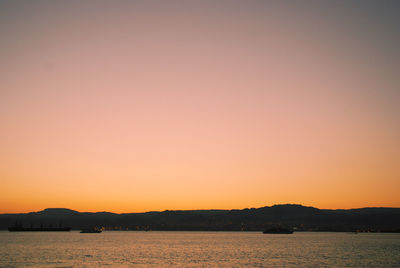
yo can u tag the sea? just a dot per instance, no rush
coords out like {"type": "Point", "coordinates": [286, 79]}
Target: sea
{"type": "Point", "coordinates": [198, 249]}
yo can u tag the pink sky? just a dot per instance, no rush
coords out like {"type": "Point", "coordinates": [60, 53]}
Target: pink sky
{"type": "Point", "coordinates": [133, 106]}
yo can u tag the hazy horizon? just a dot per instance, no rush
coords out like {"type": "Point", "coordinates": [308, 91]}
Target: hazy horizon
{"type": "Point", "coordinates": [197, 209]}
{"type": "Point", "coordinates": [152, 105]}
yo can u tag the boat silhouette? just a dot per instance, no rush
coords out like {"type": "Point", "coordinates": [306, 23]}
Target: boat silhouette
{"type": "Point", "coordinates": [91, 231]}
{"type": "Point", "coordinates": [278, 230]}
{"type": "Point", "coordinates": [20, 228]}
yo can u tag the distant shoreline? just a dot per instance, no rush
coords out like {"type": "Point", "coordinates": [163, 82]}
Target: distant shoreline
{"type": "Point", "coordinates": [296, 217]}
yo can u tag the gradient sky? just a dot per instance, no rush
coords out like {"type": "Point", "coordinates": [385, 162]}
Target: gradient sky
{"type": "Point", "coordinates": [131, 106]}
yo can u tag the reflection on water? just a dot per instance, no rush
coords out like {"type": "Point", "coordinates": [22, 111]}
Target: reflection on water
{"type": "Point", "coordinates": [198, 249]}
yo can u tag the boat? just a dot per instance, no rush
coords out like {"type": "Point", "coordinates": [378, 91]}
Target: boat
{"type": "Point", "coordinates": [38, 229]}
{"type": "Point", "coordinates": [278, 230]}
{"type": "Point", "coordinates": [91, 231]}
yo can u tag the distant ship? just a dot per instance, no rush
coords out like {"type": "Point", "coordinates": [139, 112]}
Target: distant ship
{"type": "Point", "coordinates": [91, 231]}
{"type": "Point", "coordinates": [38, 229]}
{"type": "Point", "coordinates": [278, 230]}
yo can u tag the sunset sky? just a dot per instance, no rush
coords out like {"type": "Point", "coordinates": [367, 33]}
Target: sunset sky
{"type": "Point", "coordinates": [130, 106]}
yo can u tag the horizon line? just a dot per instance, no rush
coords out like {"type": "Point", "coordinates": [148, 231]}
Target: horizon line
{"type": "Point", "coordinates": [149, 211]}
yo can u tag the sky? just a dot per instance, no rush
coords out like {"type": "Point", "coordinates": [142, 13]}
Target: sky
{"type": "Point", "coordinates": [131, 106]}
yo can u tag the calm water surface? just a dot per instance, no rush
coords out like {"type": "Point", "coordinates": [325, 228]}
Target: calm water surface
{"type": "Point", "coordinates": [198, 249]}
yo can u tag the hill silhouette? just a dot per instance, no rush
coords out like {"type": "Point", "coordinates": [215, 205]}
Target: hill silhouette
{"type": "Point", "coordinates": [300, 217]}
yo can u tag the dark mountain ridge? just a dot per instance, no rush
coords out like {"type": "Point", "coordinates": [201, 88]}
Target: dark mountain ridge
{"type": "Point", "coordinates": [300, 217]}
